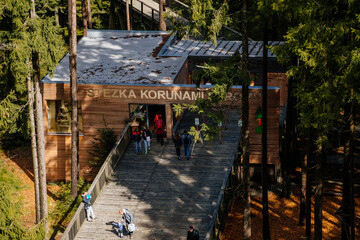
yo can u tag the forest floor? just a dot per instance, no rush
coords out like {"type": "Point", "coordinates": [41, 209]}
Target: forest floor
{"type": "Point", "coordinates": [283, 212]}
{"type": "Point", "coordinates": [19, 163]}
{"type": "Point", "coordinates": [284, 218]}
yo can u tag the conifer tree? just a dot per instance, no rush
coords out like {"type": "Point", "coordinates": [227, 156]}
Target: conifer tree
{"type": "Point", "coordinates": [35, 38]}
{"type": "Point", "coordinates": [74, 99]}
{"type": "Point", "coordinates": [326, 45]}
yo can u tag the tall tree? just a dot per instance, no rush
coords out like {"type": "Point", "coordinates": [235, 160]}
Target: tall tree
{"type": "Point", "coordinates": [264, 164]}
{"type": "Point", "coordinates": [326, 43]}
{"type": "Point", "coordinates": [127, 15]}
{"type": "Point", "coordinates": [30, 86]}
{"type": "Point", "coordinates": [112, 15]}
{"type": "Point", "coordinates": [40, 141]}
{"type": "Point", "coordinates": [84, 20]}
{"type": "Point", "coordinates": [74, 99]}
{"type": "Point", "coordinates": [89, 14]}
{"type": "Point", "coordinates": [162, 22]}
{"type": "Point", "coordinates": [347, 225]}
{"type": "Point", "coordinates": [245, 131]}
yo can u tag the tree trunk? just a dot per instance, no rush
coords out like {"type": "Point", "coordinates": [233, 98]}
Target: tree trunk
{"type": "Point", "coordinates": [302, 214]}
{"type": "Point", "coordinates": [89, 13]}
{"type": "Point", "coordinates": [40, 142]}
{"type": "Point", "coordinates": [120, 18]}
{"type": "Point", "coordinates": [57, 22]}
{"type": "Point", "coordinates": [162, 22]}
{"type": "Point", "coordinates": [83, 11]}
{"type": "Point", "coordinates": [39, 161]}
{"type": "Point", "coordinates": [347, 226]}
{"type": "Point", "coordinates": [112, 16]}
{"type": "Point", "coordinates": [74, 102]}
{"type": "Point", "coordinates": [245, 132]}
{"type": "Point", "coordinates": [290, 139]}
{"type": "Point", "coordinates": [308, 188]}
{"type": "Point", "coordinates": [128, 15]}
{"type": "Point", "coordinates": [318, 192]}
{"type": "Point", "coordinates": [265, 178]}
{"type": "Point", "coordinates": [30, 87]}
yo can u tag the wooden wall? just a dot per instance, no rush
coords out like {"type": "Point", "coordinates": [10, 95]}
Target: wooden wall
{"type": "Point", "coordinates": [276, 80]}
{"type": "Point", "coordinates": [111, 103]}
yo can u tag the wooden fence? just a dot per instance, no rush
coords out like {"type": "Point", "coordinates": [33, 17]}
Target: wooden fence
{"type": "Point", "coordinates": [99, 182]}
{"type": "Point", "coordinates": [223, 204]}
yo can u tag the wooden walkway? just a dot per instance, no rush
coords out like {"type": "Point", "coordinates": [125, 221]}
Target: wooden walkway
{"type": "Point", "coordinates": [164, 194]}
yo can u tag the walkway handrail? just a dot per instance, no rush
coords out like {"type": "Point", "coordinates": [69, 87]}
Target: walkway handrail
{"type": "Point", "coordinates": [99, 182]}
{"type": "Point", "coordinates": [223, 203]}
{"type": "Point", "coordinates": [157, 10]}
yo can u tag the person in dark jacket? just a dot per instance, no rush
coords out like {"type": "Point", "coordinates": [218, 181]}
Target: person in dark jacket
{"type": "Point", "coordinates": [186, 140]}
{"type": "Point", "coordinates": [137, 140]}
{"type": "Point", "coordinates": [146, 136]}
{"type": "Point", "coordinates": [193, 234]}
{"type": "Point", "coordinates": [177, 142]}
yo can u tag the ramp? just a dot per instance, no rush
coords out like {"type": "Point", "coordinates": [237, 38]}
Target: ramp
{"type": "Point", "coordinates": [164, 194]}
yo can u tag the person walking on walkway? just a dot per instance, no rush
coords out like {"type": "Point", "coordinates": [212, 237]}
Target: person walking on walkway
{"type": "Point", "coordinates": [159, 130]}
{"type": "Point", "coordinates": [146, 135]}
{"type": "Point", "coordinates": [86, 199]}
{"type": "Point", "coordinates": [193, 234]}
{"type": "Point", "coordinates": [186, 140]}
{"type": "Point", "coordinates": [178, 142]}
{"type": "Point", "coordinates": [137, 140]}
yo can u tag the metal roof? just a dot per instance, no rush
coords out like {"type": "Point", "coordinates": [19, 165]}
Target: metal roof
{"type": "Point", "coordinates": [182, 48]}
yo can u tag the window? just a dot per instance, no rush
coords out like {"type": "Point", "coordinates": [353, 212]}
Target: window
{"type": "Point", "coordinates": [59, 116]}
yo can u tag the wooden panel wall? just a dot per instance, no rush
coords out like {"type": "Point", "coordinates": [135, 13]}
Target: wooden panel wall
{"type": "Point", "coordinates": [183, 75]}
{"type": "Point", "coordinates": [111, 103]}
{"type": "Point", "coordinates": [279, 80]}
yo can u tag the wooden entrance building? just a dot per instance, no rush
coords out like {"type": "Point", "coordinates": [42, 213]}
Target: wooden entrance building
{"type": "Point", "coordinates": [121, 73]}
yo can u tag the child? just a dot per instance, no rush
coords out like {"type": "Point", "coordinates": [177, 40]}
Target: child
{"type": "Point", "coordinates": [86, 199]}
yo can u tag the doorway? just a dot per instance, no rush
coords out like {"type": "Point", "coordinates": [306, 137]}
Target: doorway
{"type": "Point", "coordinates": [145, 114]}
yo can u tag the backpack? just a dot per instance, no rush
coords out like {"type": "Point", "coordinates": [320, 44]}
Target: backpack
{"type": "Point", "coordinates": [159, 125]}
{"type": "Point", "coordinates": [187, 140]}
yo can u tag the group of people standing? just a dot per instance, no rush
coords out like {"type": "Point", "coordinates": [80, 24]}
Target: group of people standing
{"type": "Point", "coordinates": [144, 135]}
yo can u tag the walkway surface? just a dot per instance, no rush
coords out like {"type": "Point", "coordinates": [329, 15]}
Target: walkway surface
{"type": "Point", "coordinates": [164, 194]}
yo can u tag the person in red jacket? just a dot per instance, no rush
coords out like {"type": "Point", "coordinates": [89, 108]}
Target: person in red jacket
{"type": "Point", "coordinates": [137, 140]}
{"type": "Point", "coordinates": [159, 130]}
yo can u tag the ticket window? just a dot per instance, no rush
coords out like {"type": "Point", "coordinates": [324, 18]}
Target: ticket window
{"type": "Point", "coordinates": [59, 116]}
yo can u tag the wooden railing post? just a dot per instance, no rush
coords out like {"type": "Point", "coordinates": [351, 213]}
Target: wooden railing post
{"type": "Point", "coordinates": [152, 19]}
{"type": "Point", "coordinates": [132, 14]}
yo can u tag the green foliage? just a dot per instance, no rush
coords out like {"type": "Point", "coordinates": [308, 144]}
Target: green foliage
{"type": "Point", "coordinates": [326, 45]}
{"type": "Point", "coordinates": [102, 145]}
{"type": "Point", "coordinates": [11, 210]}
{"type": "Point", "coordinates": [22, 35]}
{"type": "Point", "coordinates": [223, 75]}
{"type": "Point", "coordinates": [227, 72]}
{"type": "Point", "coordinates": [100, 13]}
{"type": "Point", "coordinates": [178, 109]}
{"type": "Point", "coordinates": [66, 206]}
{"type": "Point", "coordinates": [207, 19]}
